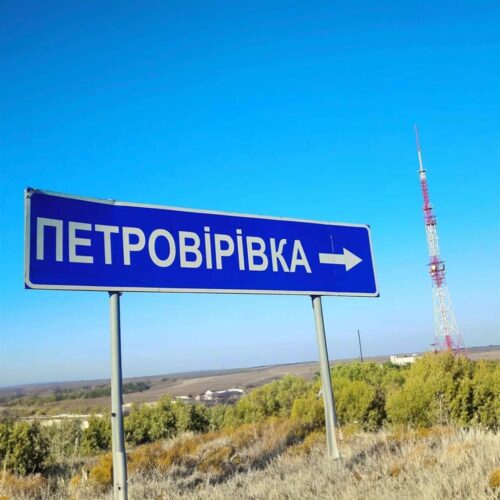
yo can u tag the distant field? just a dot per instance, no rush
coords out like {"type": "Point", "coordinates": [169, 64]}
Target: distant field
{"type": "Point", "coordinates": [175, 385]}
{"type": "Point", "coordinates": [487, 353]}
{"type": "Point", "coordinates": [190, 383]}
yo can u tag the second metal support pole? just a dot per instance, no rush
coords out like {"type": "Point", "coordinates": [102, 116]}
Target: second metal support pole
{"type": "Point", "coordinates": [117, 436]}
{"type": "Point", "coordinates": [360, 350]}
{"type": "Point", "coordinates": [326, 381]}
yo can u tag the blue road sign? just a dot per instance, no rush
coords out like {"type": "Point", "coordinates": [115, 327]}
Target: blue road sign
{"type": "Point", "coordinates": [75, 243]}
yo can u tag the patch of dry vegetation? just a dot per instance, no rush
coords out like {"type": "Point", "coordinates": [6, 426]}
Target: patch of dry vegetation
{"type": "Point", "coordinates": [440, 463]}
{"type": "Point", "coordinates": [210, 458]}
{"type": "Point", "coordinates": [279, 459]}
{"type": "Point", "coordinates": [14, 486]}
{"type": "Point", "coordinates": [494, 481]}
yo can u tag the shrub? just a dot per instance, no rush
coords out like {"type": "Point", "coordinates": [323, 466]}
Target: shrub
{"type": "Point", "coordinates": [144, 458]}
{"type": "Point", "coordinates": [13, 486]}
{"type": "Point", "coordinates": [310, 442]}
{"type": "Point", "coordinates": [437, 390]}
{"type": "Point", "coordinates": [179, 452]}
{"type": "Point", "coordinates": [274, 399]}
{"type": "Point", "coordinates": [97, 436]}
{"type": "Point", "coordinates": [370, 372]}
{"type": "Point", "coordinates": [150, 423]}
{"type": "Point", "coordinates": [244, 435]}
{"type": "Point", "coordinates": [191, 417]}
{"type": "Point", "coordinates": [130, 387]}
{"type": "Point", "coordinates": [359, 402]}
{"type": "Point", "coordinates": [361, 391]}
{"type": "Point", "coordinates": [217, 461]}
{"type": "Point", "coordinates": [138, 424]}
{"type": "Point", "coordinates": [101, 473]}
{"type": "Point", "coordinates": [310, 410]}
{"type": "Point", "coordinates": [486, 394]}
{"type": "Point", "coordinates": [24, 448]}
{"type": "Point", "coordinates": [65, 439]}
{"type": "Point", "coordinates": [164, 421]}
{"type": "Point", "coordinates": [217, 416]}
{"type": "Point", "coordinates": [494, 480]}
{"type": "Point", "coordinates": [5, 429]}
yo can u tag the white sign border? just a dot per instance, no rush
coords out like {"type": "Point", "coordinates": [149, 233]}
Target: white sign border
{"type": "Point", "coordinates": [37, 286]}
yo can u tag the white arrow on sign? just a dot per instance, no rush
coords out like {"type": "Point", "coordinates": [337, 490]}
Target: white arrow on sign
{"type": "Point", "coordinates": [347, 259]}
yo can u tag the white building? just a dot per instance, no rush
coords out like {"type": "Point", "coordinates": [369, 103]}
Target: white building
{"type": "Point", "coordinates": [405, 359]}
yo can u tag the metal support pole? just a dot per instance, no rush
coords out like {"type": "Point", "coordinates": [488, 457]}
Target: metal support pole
{"type": "Point", "coordinates": [360, 350]}
{"type": "Point", "coordinates": [118, 440]}
{"type": "Point", "coordinates": [326, 381]}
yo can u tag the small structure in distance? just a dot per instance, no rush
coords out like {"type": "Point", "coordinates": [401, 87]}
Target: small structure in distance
{"type": "Point", "coordinates": [226, 396]}
{"type": "Point", "coordinates": [405, 359]}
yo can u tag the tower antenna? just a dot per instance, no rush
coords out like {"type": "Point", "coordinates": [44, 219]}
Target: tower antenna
{"type": "Point", "coordinates": [447, 335]}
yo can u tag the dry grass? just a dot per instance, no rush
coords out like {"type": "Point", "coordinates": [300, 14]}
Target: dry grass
{"type": "Point", "coordinates": [494, 481]}
{"type": "Point", "coordinates": [192, 460]}
{"type": "Point", "coordinates": [279, 460]}
{"type": "Point", "coordinates": [215, 456]}
{"type": "Point", "coordinates": [436, 464]}
{"type": "Point", "coordinates": [13, 486]}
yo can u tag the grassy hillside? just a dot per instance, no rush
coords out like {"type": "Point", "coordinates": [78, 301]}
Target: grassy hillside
{"type": "Point", "coordinates": [270, 462]}
{"type": "Point", "coordinates": [442, 463]}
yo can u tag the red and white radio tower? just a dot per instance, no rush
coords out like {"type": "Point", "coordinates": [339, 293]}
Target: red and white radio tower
{"type": "Point", "coordinates": [447, 336]}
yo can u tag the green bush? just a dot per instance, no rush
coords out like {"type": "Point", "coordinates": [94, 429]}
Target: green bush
{"type": "Point", "coordinates": [5, 428]}
{"type": "Point", "coordinates": [310, 409]}
{"type": "Point", "coordinates": [65, 439]}
{"type": "Point", "coordinates": [486, 394]}
{"type": "Point", "coordinates": [191, 417]}
{"type": "Point", "coordinates": [274, 399]}
{"type": "Point", "coordinates": [138, 424]}
{"type": "Point", "coordinates": [368, 372]}
{"type": "Point", "coordinates": [131, 387]}
{"type": "Point", "coordinates": [97, 436]}
{"type": "Point", "coordinates": [217, 415]}
{"type": "Point", "coordinates": [439, 389]}
{"type": "Point", "coordinates": [359, 402]}
{"type": "Point", "coordinates": [150, 423]}
{"type": "Point", "coordinates": [23, 447]}
{"type": "Point", "coordinates": [166, 419]}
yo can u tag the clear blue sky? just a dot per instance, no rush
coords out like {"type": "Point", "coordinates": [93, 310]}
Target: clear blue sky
{"type": "Point", "coordinates": [295, 109]}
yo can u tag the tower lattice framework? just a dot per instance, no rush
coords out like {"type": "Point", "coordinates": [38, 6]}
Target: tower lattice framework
{"type": "Point", "coordinates": [447, 335]}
